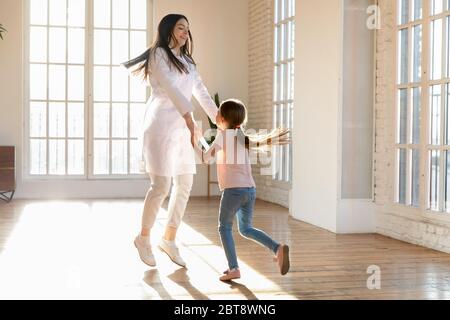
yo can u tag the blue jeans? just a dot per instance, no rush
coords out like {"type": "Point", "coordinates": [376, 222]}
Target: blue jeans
{"type": "Point", "coordinates": [240, 202]}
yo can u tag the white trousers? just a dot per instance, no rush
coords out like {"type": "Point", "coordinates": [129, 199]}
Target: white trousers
{"type": "Point", "coordinates": [159, 189]}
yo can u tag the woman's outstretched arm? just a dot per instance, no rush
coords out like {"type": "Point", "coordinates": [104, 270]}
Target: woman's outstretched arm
{"type": "Point", "coordinates": [203, 97]}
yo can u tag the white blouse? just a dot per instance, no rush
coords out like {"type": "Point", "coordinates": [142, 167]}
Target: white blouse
{"type": "Point", "coordinates": [166, 140]}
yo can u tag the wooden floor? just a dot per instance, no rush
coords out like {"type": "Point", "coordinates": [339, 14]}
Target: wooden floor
{"type": "Point", "coordinates": [84, 250]}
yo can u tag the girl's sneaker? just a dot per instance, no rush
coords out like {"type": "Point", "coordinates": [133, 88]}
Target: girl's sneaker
{"type": "Point", "coordinates": [230, 275]}
{"type": "Point", "coordinates": [283, 258]}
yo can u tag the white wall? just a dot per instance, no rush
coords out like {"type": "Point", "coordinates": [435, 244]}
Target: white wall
{"type": "Point", "coordinates": [332, 136]}
{"type": "Point", "coordinates": [220, 34]}
{"type": "Point", "coordinates": [318, 95]}
{"type": "Point", "coordinates": [356, 210]}
{"type": "Point", "coordinates": [358, 102]}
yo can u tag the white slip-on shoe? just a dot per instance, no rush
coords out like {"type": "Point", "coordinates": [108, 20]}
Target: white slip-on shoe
{"type": "Point", "coordinates": [145, 252]}
{"type": "Point", "coordinates": [171, 250]}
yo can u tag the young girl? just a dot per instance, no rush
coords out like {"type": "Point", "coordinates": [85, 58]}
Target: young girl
{"type": "Point", "coordinates": [237, 185]}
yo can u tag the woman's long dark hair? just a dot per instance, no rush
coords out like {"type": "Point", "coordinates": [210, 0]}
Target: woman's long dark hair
{"type": "Point", "coordinates": [165, 35]}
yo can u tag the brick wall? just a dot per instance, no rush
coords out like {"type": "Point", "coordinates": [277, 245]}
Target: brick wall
{"type": "Point", "coordinates": [393, 221]}
{"type": "Point", "coordinates": [260, 44]}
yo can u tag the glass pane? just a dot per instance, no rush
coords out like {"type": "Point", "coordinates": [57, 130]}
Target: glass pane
{"type": "Point", "coordinates": [437, 6]}
{"type": "Point", "coordinates": [119, 120]}
{"type": "Point", "coordinates": [137, 112]}
{"type": "Point", "coordinates": [119, 157]}
{"type": "Point", "coordinates": [101, 120]}
{"type": "Point", "coordinates": [57, 82]}
{"type": "Point", "coordinates": [138, 11]}
{"type": "Point", "coordinates": [101, 157]}
{"type": "Point", "coordinates": [38, 119]}
{"type": "Point", "coordinates": [38, 44]}
{"type": "Point", "coordinates": [138, 42]}
{"type": "Point", "coordinates": [417, 9]}
{"type": "Point", "coordinates": [102, 13]}
{"type": "Point", "coordinates": [416, 101]}
{"type": "Point", "coordinates": [287, 81]}
{"type": "Point", "coordinates": [135, 156]}
{"type": "Point", "coordinates": [57, 154]}
{"type": "Point", "coordinates": [75, 120]}
{"type": "Point", "coordinates": [434, 180]}
{"type": "Point", "coordinates": [436, 49]}
{"type": "Point", "coordinates": [403, 116]}
{"type": "Point", "coordinates": [283, 41]}
{"type": "Point", "coordinates": [38, 11]}
{"type": "Point", "coordinates": [57, 45]}
{"type": "Point", "coordinates": [448, 46]}
{"type": "Point", "coordinates": [102, 47]}
{"type": "Point", "coordinates": [281, 8]}
{"type": "Point", "coordinates": [57, 119]}
{"type": "Point", "coordinates": [288, 40]}
{"type": "Point", "coordinates": [76, 10]}
{"type": "Point", "coordinates": [119, 46]}
{"type": "Point", "coordinates": [292, 79]}
{"type": "Point", "coordinates": [58, 12]}
{"type": "Point", "coordinates": [38, 81]}
{"type": "Point", "coordinates": [403, 10]}
{"type": "Point", "coordinates": [38, 156]}
{"type": "Point", "coordinates": [101, 84]}
{"type": "Point", "coordinates": [119, 84]}
{"type": "Point", "coordinates": [276, 6]}
{"type": "Point", "coordinates": [435, 104]}
{"type": "Point", "coordinates": [275, 84]}
{"type": "Point", "coordinates": [447, 181]}
{"type": "Point", "coordinates": [403, 56]}
{"type": "Point", "coordinates": [76, 45]}
{"type": "Point", "coordinates": [417, 54]}
{"type": "Point", "coordinates": [282, 82]}
{"type": "Point", "coordinates": [276, 56]}
{"type": "Point", "coordinates": [292, 40]}
{"type": "Point", "coordinates": [447, 110]}
{"type": "Point", "coordinates": [75, 161]}
{"type": "Point", "coordinates": [76, 83]}
{"type": "Point", "coordinates": [402, 176]}
{"type": "Point", "coordinates": [120, 14]}
{"type": "Point", "coordinates": [415, 177]}
{"type": "Point", "coordinates": [138, 91]}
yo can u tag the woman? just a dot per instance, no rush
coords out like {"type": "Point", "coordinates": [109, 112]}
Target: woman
{"type": "Point", "coordinates": [169, 129]}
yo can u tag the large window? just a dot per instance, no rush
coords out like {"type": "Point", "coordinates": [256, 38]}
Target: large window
{"type": "Point", "coordinates": [423, 114]}
{"type": "Point", "coordinates": [283, 82]}
{"type": "Point", "coordinates": [83, 109]}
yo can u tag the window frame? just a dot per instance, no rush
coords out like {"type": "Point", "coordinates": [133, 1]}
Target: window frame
{"type": "Point", "coordinates": [283, 154]}
{"type": "Point", "coordinates": [88, 102]}
{"type": "Point", "coordinates": [422, 212]}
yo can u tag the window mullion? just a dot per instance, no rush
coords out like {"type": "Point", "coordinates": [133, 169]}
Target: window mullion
{"type": "Point", "coordinates": [425, 112]}
{"type": "Point", "coordinates": [66, 120]}
{"type": "Point", "coordinates": [129, 97]}
{"type": "Point", "coordinates": [89, 115]}
{"type": "Point", "coordinates": [110, 86]}
{"type": "Point", "coordinates": [47, 141]}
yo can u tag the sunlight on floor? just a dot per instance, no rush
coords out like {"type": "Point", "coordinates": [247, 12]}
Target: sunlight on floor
{"type": "Point", "coordinates": [84, 250]}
